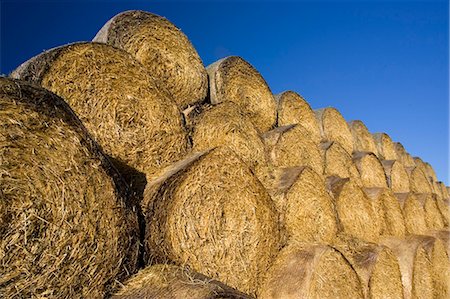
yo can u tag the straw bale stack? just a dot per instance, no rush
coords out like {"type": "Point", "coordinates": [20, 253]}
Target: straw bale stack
{"type": "Point", "coordinates": [362, 139]}
{"type": "Point", "coordinates": [396, 175]}
{"type": "Point", "coordinates": [163, 50]}
{"type": "Point", "coordinates": [170, 281]}
{"type": "Point", "coordinates": [433, 216]}
{"type": "Point", "coordinates": [377, 267]}
{"type": "Point", "coordinates": [134, 120]}
{"type": "Point", "coordinates": [356, 214]}
{"type": "Point", "coordinates": [385, 146]}
{"type": "Point", "coordinates": [444, 236]}
{"type": "Point", "coordinates": [403, 156]}
{"type": "Point", "coordinates": [292, 108]}
{"type": "Point", "coordinates": [67, 224]}
{"type": "Point", "coordinates": [442, 190]}
{"type": "Point", "coordinates": [333, 127]}
{"type": "Point", "coordinates": [437, 253]}
{"type": "Point", "coordinates": [418, 181]}
{"type": "Point", "coordinates": [310, 271]}
{"type": "Point", "coordinates": [210, 212]}
{"type": "Point", "coordinates": [370, 170]}
{"type": "Point", "coordinates": [234, 79]}
{"type": "Point", "coordinates": [337, 162]}
{"type": "Point", "coordinates": [413, 213]}
{"type": "Point", "coordinates": [306, 208]}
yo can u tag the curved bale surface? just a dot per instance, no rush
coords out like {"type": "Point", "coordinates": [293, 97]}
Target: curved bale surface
{"type": "Point", "coordinates": [370, 170]}
{"type": "Point", "coordinates": [429, 171]}
{"type": "Point", "coordinates": [291, 146]}
{"type": "Point", "coordinates": [377, 267]}
{"type": "Point", "coordinates": [442, 190]}
{"type": "Point", "coordinates": [306, 209]}
{"type": "Point", "coordinates": [226, 125]}
{"type": "Point", "coordinates": [415, 265]}
{"type": "Point", "coordinates": [292, 108]}
{"type": "Point", "coordinates": [403, 156]}
{"type": "Point", "coordinates": [362, 139]}
{"type": "Point", "coordinates": [170, 281]}
{"type": "Point", "coordinates": [333, 127]}
{"type": "Point", "coordinates": [164, 51]}
{"type": "Point", "coordinates": [388, 208]}
{"type": "Point", "coordinates": [310, 271]}
{"type": "Point", "coordinates": [433, 216]}
{"type": "Point", "coordinates": [355, 212]}
{"type": "Point", "coordinates": [234, 79]}
{"type": "Point", "coordinates": [134, 121]}
{"type": "Point", "coordinates": [211, 213]}
{"type": "Point", "coordinates": [418, 181]}
{"type": "Point", "coordinates": [65, 225]}
{"type": "Point", "coordinates": [413, 213]}
{"type": "Point", "coordinates": [337, 162]}
{"type": "Point", "coordinates": [444, 236]}
{"type": "Point", "coordinates": [385, 146]}
{"type": "Point", "coordinates": [396, 175]}
{"type": "Point", "coordinates": [440, 267]}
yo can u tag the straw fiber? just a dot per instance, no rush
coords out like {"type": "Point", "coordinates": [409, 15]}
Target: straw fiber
{"type": "Point", "coordinates": [333, 127]}
{"type": "Point", "coordinates": [385, 146]}
{"type": "Point", "coordinates": [413, 213]}
{"type": "Point", "coordinates": [396, 175]}
{"type": "Point", "coordinates": [403, 156]}
{"type": "Point", "coordinates": [337, 162]}
{"type": "Point", "coordinates": [370, 170]}
{"type": "Point", "coordinates": [362, 139]}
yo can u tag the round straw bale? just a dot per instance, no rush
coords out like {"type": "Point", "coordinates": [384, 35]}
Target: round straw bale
{"type": "Point", "coordinates": [370, 170]}
{"type": "Point", "coordinates": [403, 156]}
{"type": "Point", "coordinates": [163, 49]}
{"type": "Point", "coordinates": [170, 281]}
{"type": "Point", "coordinates": [310, 271]}
{"type": "Point", "coordinates": [234, 79]}
{"type": "Point", "coordinates": [134, 121]}
{"type": "Point", "coordinates": [355, 211]}
{"type": "Point", "coordinates": [444, 236]}
{"type": "Point", "coordinates": [333, 127]}
{"type": "Point", "coordinates": [389, 211]}
{"type": "Point", "coordinates": [66, 227]}
{"type": "Point", "coordinates": [377, 267]}
{"type": "Point", "coordinates": [413, 213]}
{"type": "Point", "coordinates": [385, 146]}
{"type": "Point", "coordinates": [429, 171]}
{"type": "Point", "coordinates": [418, 181]}
{"type": "Point", "coordinates": [210, 212]}
{"type": "Point", "coordinates": [444, 207]}
{"type": "Point", "coordinates": [396, 175]}
{"type": "Point", "coordinates": [433, 216]}
{"type": "Point", "coordinates": [291, 146]}
{"type": "Point", "coordinates": [441, 268]}
{"type": "Point", "coordinates": [362, 139]}
{"type": "Point", "coordinates": [337, 162]}
{"type": "Point", "coordinates": [442, 190]}
{"type": "Point", "coordinates": [226, 125]}
{"type": "Point", "coordinates": [415, 265]}
{"type": "Point", "coordinates": [306, 209]}
{"type": "Point", "coordinates": [294, 109]}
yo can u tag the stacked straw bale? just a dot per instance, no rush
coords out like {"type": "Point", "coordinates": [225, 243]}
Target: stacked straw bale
{"type": "Point", "coordinates": [292, 108]}
{"type": "Point", "coordinates": [356, 213]}
{"type": "Point", "coordinates": [291, 146]}
{"type": "Point", "coordinates": [413, 213]}
{"type": "Point", "coordinates": [385, 146]}
{"type": "Point", "coordinates": [444, 236]}
{"type": "Point", "coordinates": [415, 266]}
{"type": "Point", "coordinates": [396, 175]}
{"type": "Point", "coordinates": [67, 226]}
{"type": "Point", "coordinates": [234, 79]}
{"type": "Point", "coordinates": [306, 208]}
{"type": "Point", "coordinates": [370, 170]}
{"type": "Point", "coordinates": [403, 156]}
{"type": "Point", "coordinates": [418, 181]}
{"type": "Point", "coordinates": [164, 51]}
{"type": "Point", "coordinates": [333, 127]}
{"type": "Point", "coordinates": [170, 281]}
{"type": "Point", "coordinates": [442, 190]}
{"type": "Point", "coordinates": [337, 162]}
{"type": "Point", "coordinates": [140, 128]}
{"type": "Point", "coordinates": [437, 253]}
{"type": "Point", "coordinates": [433, 216]}
{"type": "Point", "coordinates": [377, 267]}
{"type": "Point", "coordinates": [362, 139]}
{"type": "Point", "coordinates": [310, 271]}
{"type": "Point", "coordinates": [211, 213]}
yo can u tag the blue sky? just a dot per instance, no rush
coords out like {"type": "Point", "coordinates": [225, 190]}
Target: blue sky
{"type": "Point", "coordinates": [384, 62]}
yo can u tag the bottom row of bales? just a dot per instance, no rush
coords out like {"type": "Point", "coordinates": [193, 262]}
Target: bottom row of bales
{"type": "Point", "coordinates": [70, 229]}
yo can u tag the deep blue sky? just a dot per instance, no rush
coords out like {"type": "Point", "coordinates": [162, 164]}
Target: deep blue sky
{"type": "Point", "coordinates": [384, 62]}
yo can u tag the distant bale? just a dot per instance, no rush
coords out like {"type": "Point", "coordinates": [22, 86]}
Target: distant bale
{"type": "Point", "coordinates": [337, 162]}
{"type": "Point", "coordinates": [164, 51]}
{"type": "Point", "coordinates": [444, 236]}
{"type": "Point", "coordinates": [355, 211]}
{"type": "Point", "coordinates": [133, 119]}
{"type": "Point", "coordinates": [415, 265]}
{"type": "Point", "coordinates": [443, 203]}
{"type": "Point", "coordinates": [442, 190]}
{"type": "Point", "coordinates": [292, 108]}
{"type": "Point", "coordinates": [291, 146]}
{"type": "Point", "coordinates": [377, 267]}
{"type": "Point", "coordinates": [418, 181]}
{"type": "Point", "coordinates": [429, 171]}
{"type": "Point", "coordinates": [433, 216]}
{"type": "Point", "coordinates": [385, 146]}
{"type": "Point", "coordinates": [333, 127]}
{"type": "Point", "coordinates": [66, 227]}
{"type": "Point", "coordinates": [234, 79]}
{"type": "Point", "coordinates": [310, 271]}
{"type": "Point", "coordinates": [413, 213]}
{"type": "Point", "coordinates": [370, 170]}
{"type": "Point", "coordinates": [362, 139]}
{"type": "Point", "coordinates": [388, 208]}
{"type": "Point", "coordinates": [305, 207]}
{"type": "Point", "coordinates": [211, 213]}
{"type": "Point", "coordinates": [170, 281]}
{"type": "Point", "coordinates": [396, 175]}
{"type": "Point", "coordinates": [403, 156]}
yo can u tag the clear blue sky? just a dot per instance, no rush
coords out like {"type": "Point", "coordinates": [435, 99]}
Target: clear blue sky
{"type": "Point", "coordinates": [384, 62]}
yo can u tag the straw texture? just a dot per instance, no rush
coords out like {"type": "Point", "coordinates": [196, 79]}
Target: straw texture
{"type": "Point", "coordinates": [333, 127]}
{"type": "Point", "coordinates": [385, 146]}
{"type": "Point", "coordinates": [396, 175]}
{"type": "Point", "coordinates": [370, 170]}
{"type": "Point", "coordinates": [413, 213]}
{"type": "Point", "coordinates": [419, 182]}
{"type": "Point", "coordinates": [403, 156]}
{"type": "Point", "coordinates": [337, 162]}
{"type": "Point", "coordinates": [362, 139]}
